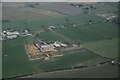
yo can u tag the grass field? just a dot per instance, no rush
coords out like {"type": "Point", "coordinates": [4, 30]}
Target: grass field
{"type": "Point", "coordinates": [52, 36]}
{"type": "Point", "coordinates": [35, 25]}
{"type": "Point", "coordinates": [16, 62]}
{"type": "Point", "coordinates": [106, 48]}
{"type": "Point", "coordinates": [94, 72]}
{"type": "Point", "coordinates": [83, 58]}
{"type": "Point", "coordinates": [83, 34]}
{"type": "Point", "coordinates": [100, 38]}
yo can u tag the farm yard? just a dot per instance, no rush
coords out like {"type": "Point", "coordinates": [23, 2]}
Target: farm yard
{"type": "Point", "coordinates": [98, 37]}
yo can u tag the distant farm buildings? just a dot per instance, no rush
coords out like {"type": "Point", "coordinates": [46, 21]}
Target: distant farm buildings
{"type": "Point", "coordinates": [11, 34]}
{"type": "Point", "coordinates": [108, 17]}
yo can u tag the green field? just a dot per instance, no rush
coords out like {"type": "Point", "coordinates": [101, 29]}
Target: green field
{"type": "Point", "coordinates": [94, 72]}
{"type": "Point", "coordinates": [16, 62]}
{"type": "Point", "coordinates": [36, 24]}
{"type": "Point", "coordinates": [17, 59]}
{"type": "Point", "coordinates": [83, 34]}
{"type": "Point", "coordinates": [100, 38]}
{"type": "Point", "coordinates": [82, 58]}
{"type": "Point", "coordinates": [106, 48]}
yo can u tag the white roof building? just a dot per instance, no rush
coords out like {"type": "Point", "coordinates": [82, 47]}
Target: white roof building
{"type": "Point", "coordinates": [52, 27]}
{"type": "Point", "coordinates": [4, 31]}
{"type": "Point", "coordinates": [12, 33]}
{"type": "Point", "coordinates": [64, 45]}
{"type": "Point", "coordinates": [11, 36]}
{"type": "Point", "coordinates": [56, 44]}
{"type": "Point", "coordinates": [44, 46]}
{"type": "Point", "coordinates": [26, 31]}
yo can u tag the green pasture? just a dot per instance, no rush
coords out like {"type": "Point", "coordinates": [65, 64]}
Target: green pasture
{"type": "Point", "coordinates": [83, 34]}
{"type": "Point", "coordinates": [100, 38]}
{"type": "Point", "coordinates": [106, 48]}
{"type": "Point", "coordinates": [16, 63]}
{"type": "Point", "coordinates": [70, 59]}
{"type": "Point", "coordinates": [104, 71]}
{"type": "Point", "coordinates": [36, 24]}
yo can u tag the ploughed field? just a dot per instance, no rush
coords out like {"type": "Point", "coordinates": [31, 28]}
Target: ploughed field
{"type": "Point", "coordinates": [18, 11]}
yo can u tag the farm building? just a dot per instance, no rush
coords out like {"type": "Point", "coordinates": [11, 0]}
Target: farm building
{"type": "Point", "coordinates": [48, 48]}
{"type": "Point", "coordinates": [56, 44]}
{"type": "Point", "coordinates": [12, 33]}
{"type": "Point", "coordinates": [63, 45]}
{"type": "Point", "coordinates": [59, 44]}
{"type": "Point", "coordinates": [44, 46]}
{"type": "Point", "coordinates": [11, 36]}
